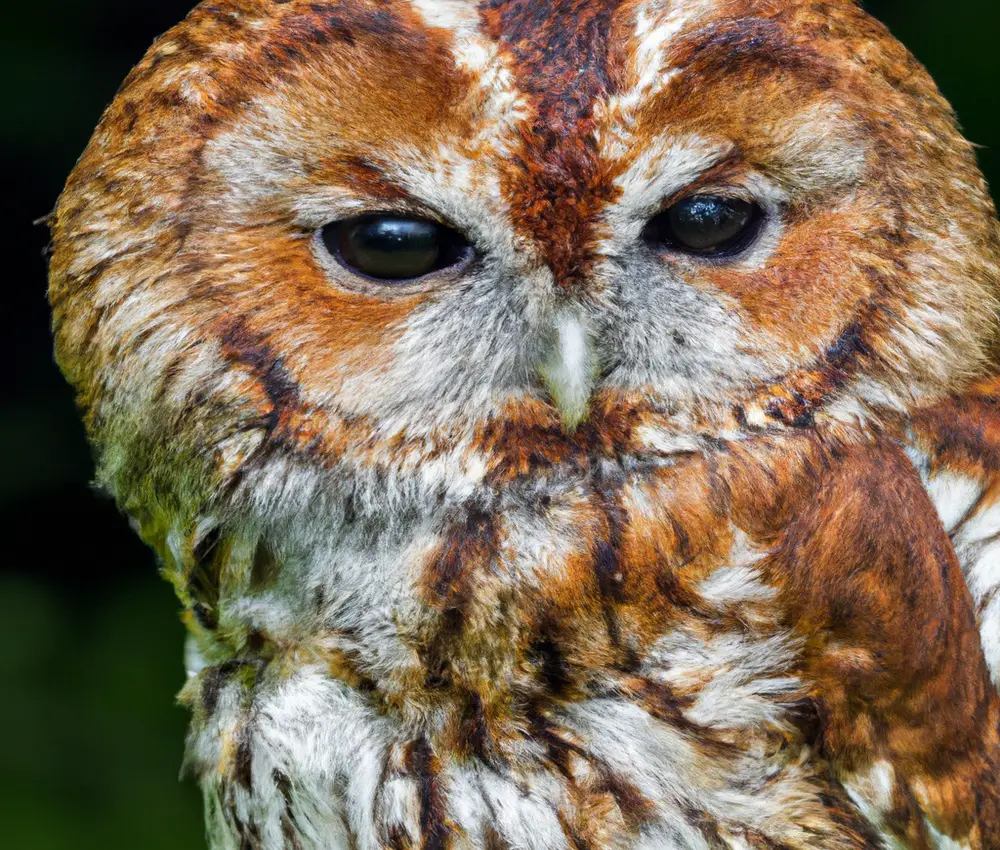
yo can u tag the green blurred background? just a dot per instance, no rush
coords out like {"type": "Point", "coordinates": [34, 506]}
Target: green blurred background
{"type": "Point", "coordinates": [90, 737]}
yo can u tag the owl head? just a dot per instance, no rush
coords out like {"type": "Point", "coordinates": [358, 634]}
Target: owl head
{"type": "Point", "coordinates": [418, 245]}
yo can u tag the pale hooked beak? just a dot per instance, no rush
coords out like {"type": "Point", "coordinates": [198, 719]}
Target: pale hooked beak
{"type": "Point", "coordinates": [569, 367]}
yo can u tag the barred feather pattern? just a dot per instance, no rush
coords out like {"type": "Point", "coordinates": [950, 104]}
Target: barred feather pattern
{"type": "Point", "coordinates": [581, 545]}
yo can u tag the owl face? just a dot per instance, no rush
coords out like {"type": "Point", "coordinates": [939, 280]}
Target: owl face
{"type": "Point", "coordinates": [387, 235]}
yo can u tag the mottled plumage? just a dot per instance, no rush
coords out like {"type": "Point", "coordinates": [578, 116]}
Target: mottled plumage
{"type": "Point", "coordinates": [578, 543]}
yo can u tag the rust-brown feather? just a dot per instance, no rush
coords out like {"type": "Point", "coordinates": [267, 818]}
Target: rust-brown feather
{"type": "Point", "coordinates": [746, 598]}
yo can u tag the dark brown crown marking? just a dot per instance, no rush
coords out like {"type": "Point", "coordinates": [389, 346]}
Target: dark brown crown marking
{"type": "Point", "coordinates": [560, 61]}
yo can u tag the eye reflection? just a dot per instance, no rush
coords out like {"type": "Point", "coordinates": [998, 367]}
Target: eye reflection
{"type": "Point", "coordinates": [707, 225]}
{"type": "Point", "coordinates": [393, 248]}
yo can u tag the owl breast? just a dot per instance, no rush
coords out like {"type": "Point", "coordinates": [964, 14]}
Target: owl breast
{"type": "Point", "coordinates": [588, 651]}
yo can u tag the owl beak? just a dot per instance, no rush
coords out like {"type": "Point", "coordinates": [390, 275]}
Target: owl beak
{"type": "Point", "coordinates": [568, 367]}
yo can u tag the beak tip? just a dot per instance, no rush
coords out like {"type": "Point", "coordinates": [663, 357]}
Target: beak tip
{"type": "Point", "coordinates": [571, 402]}
{"type": "Point", "coordinates": [572, 419]}
{"type": "Point", "coordinates": [568, 371]}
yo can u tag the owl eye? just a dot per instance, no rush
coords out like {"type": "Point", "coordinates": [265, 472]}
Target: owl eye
{"type": "Point", "coordinates": [394, 248]}
{"type": "Point", "coordinates": [706, 225]}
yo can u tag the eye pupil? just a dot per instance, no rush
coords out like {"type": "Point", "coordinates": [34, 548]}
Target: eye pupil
{"type": "Point", "coordinates": [702, 224]}
{"type": "Point", "coordinates": [706, 225]}
{"type": "Point", "coordinates": [393, 248]}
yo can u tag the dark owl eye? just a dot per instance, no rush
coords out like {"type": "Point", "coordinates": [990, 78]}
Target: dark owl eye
{"type": "Point", "coordinates": [394, 248]}
{"type": "Point", "coordinates": [707, 225]}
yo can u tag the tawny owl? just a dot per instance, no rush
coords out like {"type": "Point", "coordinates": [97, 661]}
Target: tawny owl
{"type": "Point", "coordinates": [568, 425]}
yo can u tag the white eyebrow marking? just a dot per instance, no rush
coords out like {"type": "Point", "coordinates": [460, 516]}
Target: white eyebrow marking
{"type": "Point", "coordinates": [657, 24]}
{"type": "Point", "coordinates": [473, 52]}
{"type": "Point", "coordinates": [503, 105]}
{"type": "Point", "coordinates": [662, 168]}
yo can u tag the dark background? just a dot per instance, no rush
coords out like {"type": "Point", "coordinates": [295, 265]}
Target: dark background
{"type": "Point", "coordinates": [90, 644]}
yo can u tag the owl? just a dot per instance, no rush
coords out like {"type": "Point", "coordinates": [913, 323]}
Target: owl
{"type": "Point", "coordinates": [567, 425]}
